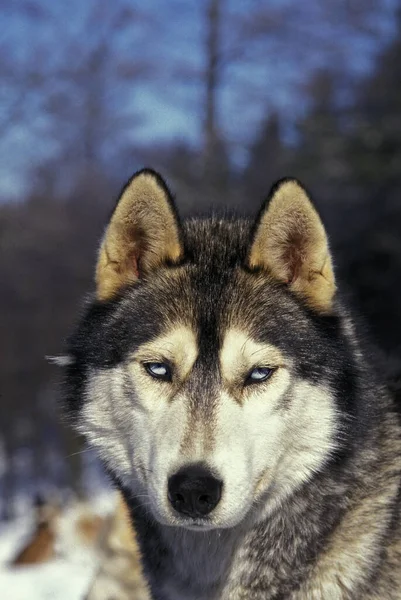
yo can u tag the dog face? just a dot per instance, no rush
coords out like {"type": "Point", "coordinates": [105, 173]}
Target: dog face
{"type": "Point", "coordinates": [206, 372]}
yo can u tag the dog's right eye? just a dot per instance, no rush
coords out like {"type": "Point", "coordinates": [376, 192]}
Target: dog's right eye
{"type": "Point", "coordinates": [158, 370]}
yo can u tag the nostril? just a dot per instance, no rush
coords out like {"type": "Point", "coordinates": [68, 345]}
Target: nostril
{"type": "Point", "coordinates": [204, 499]}
{"type": "Point", "coordinates": [177, 500]}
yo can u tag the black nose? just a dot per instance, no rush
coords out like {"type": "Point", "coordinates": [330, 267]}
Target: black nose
{"type": "Point", "coordinates": [193, 491]}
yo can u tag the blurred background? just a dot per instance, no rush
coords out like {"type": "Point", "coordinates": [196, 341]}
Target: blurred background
{"type": "Point", "coordinates": [223, 97]}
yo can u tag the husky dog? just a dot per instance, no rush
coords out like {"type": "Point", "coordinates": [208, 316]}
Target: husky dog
{"type": "Point", "coordinates": [222, 383]}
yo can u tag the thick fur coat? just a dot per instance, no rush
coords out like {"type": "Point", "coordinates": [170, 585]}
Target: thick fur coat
{"type": "Point", "coordinates": [222, 348]}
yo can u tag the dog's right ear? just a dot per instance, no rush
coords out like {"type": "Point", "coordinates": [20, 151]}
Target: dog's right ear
{"type": "Point", "coordinates": [143, 233]}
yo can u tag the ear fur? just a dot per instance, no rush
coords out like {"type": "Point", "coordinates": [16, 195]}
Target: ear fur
{"type": "Point", "coordinates": [142, 234]}
{"type": "Point", "coordinates": [290, 243]}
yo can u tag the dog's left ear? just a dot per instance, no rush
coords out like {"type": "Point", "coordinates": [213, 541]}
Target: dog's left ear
{"type": "Point", "coordinates": [290, 243]}
{"type": "Point", "coordinates": [143, 234]}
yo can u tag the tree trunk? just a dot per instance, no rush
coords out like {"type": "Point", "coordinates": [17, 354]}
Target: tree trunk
{"type": "Point", "coordinates": [212, 75]}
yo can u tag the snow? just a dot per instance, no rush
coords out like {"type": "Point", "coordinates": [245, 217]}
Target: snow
{"type": "Point", "coordinates": [65, 578]}
{"type": "Point", "coordinates": [56, 580]}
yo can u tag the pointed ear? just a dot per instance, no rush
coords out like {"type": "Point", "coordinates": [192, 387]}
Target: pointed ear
{"type": "Point", "coordinates": [291, 244]}
{"type": "Point", "coordinates": [143, 233]}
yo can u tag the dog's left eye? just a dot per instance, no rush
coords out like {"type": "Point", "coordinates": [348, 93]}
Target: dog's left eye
{"type": "Point", "coordinates": [158, 370]}
{"type": "Point", "coordinates": [258, 375]}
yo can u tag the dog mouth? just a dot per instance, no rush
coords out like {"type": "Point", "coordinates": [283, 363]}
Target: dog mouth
{"type": "Point", "coordinates": [171, 519]}
{"type": "Point", "coordinates": [166, 516]}
{"type": "Point", "coordinates": [196, 524]}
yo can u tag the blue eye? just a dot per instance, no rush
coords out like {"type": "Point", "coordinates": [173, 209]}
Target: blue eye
{"type": "Point", "coordinates": [258, 375]}
{"type": "Point", "coordinates": [158, 370]}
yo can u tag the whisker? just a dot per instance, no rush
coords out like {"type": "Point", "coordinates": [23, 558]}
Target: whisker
{"type": "Point", "coordinates": [80, 452]}
{"type": "Point", "coordinates": [244, 344]}
{"type": "Point", "coordinates": [257, 351]}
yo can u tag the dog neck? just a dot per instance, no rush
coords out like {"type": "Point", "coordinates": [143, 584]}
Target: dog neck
{"type": "Point", "coordinates": [192, 564]}
{"type": "Point", "coordinates": [183, 564]}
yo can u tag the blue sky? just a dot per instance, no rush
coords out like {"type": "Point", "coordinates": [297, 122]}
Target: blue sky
{"type": "Point", "coordinates": [170, 37]}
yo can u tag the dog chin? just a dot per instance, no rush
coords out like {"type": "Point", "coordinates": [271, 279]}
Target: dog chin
{"type": "Point", "coordinates": [196, 525]}
{"type": "Point", "coordinates": [173, 520]}
{"type": "Point", "coordinates": [208, 524]}
{"type": "Point", "coordinates": [166, 516]}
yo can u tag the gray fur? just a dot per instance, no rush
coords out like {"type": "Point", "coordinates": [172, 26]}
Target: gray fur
{"type": "Point", "coordinates": [326, 522]}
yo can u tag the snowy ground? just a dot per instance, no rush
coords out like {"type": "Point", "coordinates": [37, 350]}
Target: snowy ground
{"type": "Point", "coordinates": [57, 580]}
{"type": "Point", "coordinates": [66, 578]}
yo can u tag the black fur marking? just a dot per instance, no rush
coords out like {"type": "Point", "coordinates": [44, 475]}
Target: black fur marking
{"type": "Point", "coordinates": [204, 291]}
{"type": "Point", "coordinates": [211, 291]}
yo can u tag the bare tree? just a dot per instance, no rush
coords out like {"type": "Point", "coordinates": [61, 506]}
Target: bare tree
{"type": "Point", "coordinates": [70, 93]}
{"type": "Point", "coordinates": [255, 57]}
{"type": "Point", "coordinates": [212, 51]}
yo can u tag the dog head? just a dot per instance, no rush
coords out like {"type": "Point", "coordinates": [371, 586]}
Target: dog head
{"type": "Point", "coordinates": [208, 370]}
